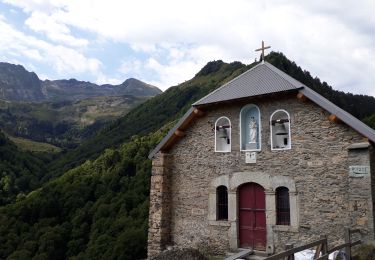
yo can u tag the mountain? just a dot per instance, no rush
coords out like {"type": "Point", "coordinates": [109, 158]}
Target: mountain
{"type": "Point", "coordinates": [72, 89]}
{"type": "Point", "coordinates": [93, 203]}
{"type": "Point", "coordinates": [18, 84]}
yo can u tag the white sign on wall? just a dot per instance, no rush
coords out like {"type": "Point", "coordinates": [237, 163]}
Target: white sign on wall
{"type": "Point", "coordinates": [251, 157]}
{"type": "Point", "coordinates": [359, 170]}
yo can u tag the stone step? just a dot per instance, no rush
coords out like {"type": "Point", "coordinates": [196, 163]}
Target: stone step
{"type": "Point", "coordinates": [240, 255]}
{"type": "Point", "coordinates": [255, 257]}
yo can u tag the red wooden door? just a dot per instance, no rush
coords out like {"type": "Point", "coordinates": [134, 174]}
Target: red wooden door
{"type": "Point", "coordinates": [252, 216]}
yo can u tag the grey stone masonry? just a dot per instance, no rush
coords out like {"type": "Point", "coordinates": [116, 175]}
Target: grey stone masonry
{"type": "Point", "coordinates": [159, 212]}
{"type": "Point", "coordinates": [360, 192]}
{"type": "Point", "coordinates": [323, 197]}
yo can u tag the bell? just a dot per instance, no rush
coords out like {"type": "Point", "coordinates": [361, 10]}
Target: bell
{"type": "Point", "coordinates": [222, 132]}
{"type": "Point", "coordinates": [280, 129]}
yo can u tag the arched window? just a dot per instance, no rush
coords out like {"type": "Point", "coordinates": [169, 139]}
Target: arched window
{"type": "Point", "coordinates": [250, 128]}
{"type": "Point", "coordinates": [280, 130]}
{"type": "Point", "coordinates": [222, 203]}
{"type": "Point", "coordinates": [223, 132]}
{"type": "Point", "coordinates": [282, 206]}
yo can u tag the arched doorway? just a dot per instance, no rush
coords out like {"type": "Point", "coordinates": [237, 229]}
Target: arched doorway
{"type": "Point", "coordinates": [252, 216]}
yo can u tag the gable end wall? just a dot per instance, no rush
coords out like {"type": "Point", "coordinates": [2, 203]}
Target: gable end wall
{"type": "Point", "coordinates": [317, 164]}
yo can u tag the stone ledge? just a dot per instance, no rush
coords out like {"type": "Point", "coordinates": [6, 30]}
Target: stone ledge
{"type": "Point", "coordinates": [283, 228]}
{"type": "Point", "coordinates": [363, 145]}
{"type": "Point", "coordinates": [222, 223]}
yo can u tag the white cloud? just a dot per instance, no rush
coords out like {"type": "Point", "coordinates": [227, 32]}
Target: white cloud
{"type": "Point", "coordinates": [131, 66]}
{"type": "Point", "coordinates": [54, 30]}
{"type": "Point", "coordinates": [172, 73]}
{"type": "Point", "coordinates": [15, 44]}
{"type": "Point", "coordinates": [332, 39]}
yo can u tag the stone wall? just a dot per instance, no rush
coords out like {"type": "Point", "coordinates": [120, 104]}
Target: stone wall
{"type": "Point", "coordinates": [360, 193]}
{"type": "Point", "coordinates": [317, 163]}
{"type": "Point", "coordinates": [160, 204]}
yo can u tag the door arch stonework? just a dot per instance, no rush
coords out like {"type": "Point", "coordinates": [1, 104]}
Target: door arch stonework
{"type": "Point", "coordinates": [269, 183]}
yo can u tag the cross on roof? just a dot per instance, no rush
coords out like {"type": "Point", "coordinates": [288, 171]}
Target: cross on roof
{"type": "Point", "coordinates": [262, 49]}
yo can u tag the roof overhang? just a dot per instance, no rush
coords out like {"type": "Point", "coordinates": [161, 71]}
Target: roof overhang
{"type": "Point", "coordinates": [177, 131]}
{"type": "Point", "coordinates": [341, 114]}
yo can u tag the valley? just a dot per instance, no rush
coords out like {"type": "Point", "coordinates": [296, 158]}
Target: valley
{"type": "Point", "coordinates": [66, 123]}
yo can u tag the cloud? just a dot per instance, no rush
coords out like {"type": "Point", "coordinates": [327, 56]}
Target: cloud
{"type": "Point", "coordinates": [173, 39]}
{"type": "Point", "coordinates": [17, 45]}
{"type": "Point", "coordinates": [54, 30]}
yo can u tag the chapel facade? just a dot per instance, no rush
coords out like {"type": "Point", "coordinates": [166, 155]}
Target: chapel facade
{"type": "Point", "coordinates": [258, 163]}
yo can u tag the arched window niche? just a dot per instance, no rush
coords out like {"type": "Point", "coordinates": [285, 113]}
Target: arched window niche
{"type": "Point", "coordinates": [280, 130]}
{"type": "Point", "coordinates": [282, 206]}
{"type": "Point", "coordinates": [223, 132]}
{"type": "Point", "coordinates": [250, 125]}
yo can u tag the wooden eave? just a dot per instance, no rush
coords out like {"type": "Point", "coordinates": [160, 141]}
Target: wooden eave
{"type": "Point", "coordinates": [178, 131]}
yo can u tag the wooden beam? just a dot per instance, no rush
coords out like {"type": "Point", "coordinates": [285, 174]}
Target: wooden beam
{"type": "Point", "coordinates": [187, 122]}
{"type": "Point", "coordinates": [179, 133]}
{"type": "Point", "coordinates": [198, 112]}
{"type": "Point", "coordinates": [301, 97]}
{"type": "Point", "coordinates": [334, 118]}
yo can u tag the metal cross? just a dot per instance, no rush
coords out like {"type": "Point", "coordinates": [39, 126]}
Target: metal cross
{"type": "Point", "coordinates": [262, 49]}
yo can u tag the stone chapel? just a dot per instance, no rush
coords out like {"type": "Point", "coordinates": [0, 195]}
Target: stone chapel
{"type": "Point", "coordinates": [258, 163]}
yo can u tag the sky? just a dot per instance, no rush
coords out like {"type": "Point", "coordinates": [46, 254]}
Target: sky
{"type": "Point", "coordinates": [166, 42]}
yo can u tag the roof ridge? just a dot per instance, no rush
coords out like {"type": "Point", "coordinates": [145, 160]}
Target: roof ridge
{"type": "Point", "coordinates": [285, 76]}
{"type": "Point", "coordinates": [239, 76]}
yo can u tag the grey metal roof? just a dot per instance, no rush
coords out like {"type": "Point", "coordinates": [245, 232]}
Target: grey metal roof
{"type": "Point", "coordinates": [266, 79]}
{"type": "Point", "coordinates": [262, 79]}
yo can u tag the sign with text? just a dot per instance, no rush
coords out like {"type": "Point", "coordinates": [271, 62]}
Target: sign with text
{"type": "Point", "coordinates": [359, 170]}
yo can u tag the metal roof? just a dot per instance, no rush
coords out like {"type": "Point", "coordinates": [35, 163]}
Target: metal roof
{"type": "Point", "coordinates": [262, 79]}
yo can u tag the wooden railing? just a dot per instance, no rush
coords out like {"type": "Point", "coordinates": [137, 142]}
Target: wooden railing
{"type": "Point", "coordinates": [321, 248]}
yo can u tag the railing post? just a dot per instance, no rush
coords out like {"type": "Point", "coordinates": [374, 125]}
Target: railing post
{"type": "Point", "coordinates": [348, 240]}
{"type": "Point", "coordinates": [322, 248]}
{"type": "Point", "coordinates": [287, 247]}
{"type": "Point", "coordinates": [325, 246]}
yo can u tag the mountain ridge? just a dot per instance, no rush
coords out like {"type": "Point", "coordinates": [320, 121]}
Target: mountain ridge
{"type": "Point", "coordinates": [19, 84]}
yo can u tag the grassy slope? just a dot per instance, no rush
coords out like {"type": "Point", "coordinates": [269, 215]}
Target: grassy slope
{"type": "Point", "coordinates": [20, 171]}
{"type": "Point", "coordinates": [32, 146]}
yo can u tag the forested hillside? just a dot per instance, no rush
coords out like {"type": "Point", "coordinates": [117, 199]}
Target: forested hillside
{"type": "Point", "coordinates": [96, 211]}
{"type": "Point", "coordinates": [20, 172]}
{"type": "Point", "coordinates": [359, 106]}
{"type": "Point", "coordinates": [94, 200]}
